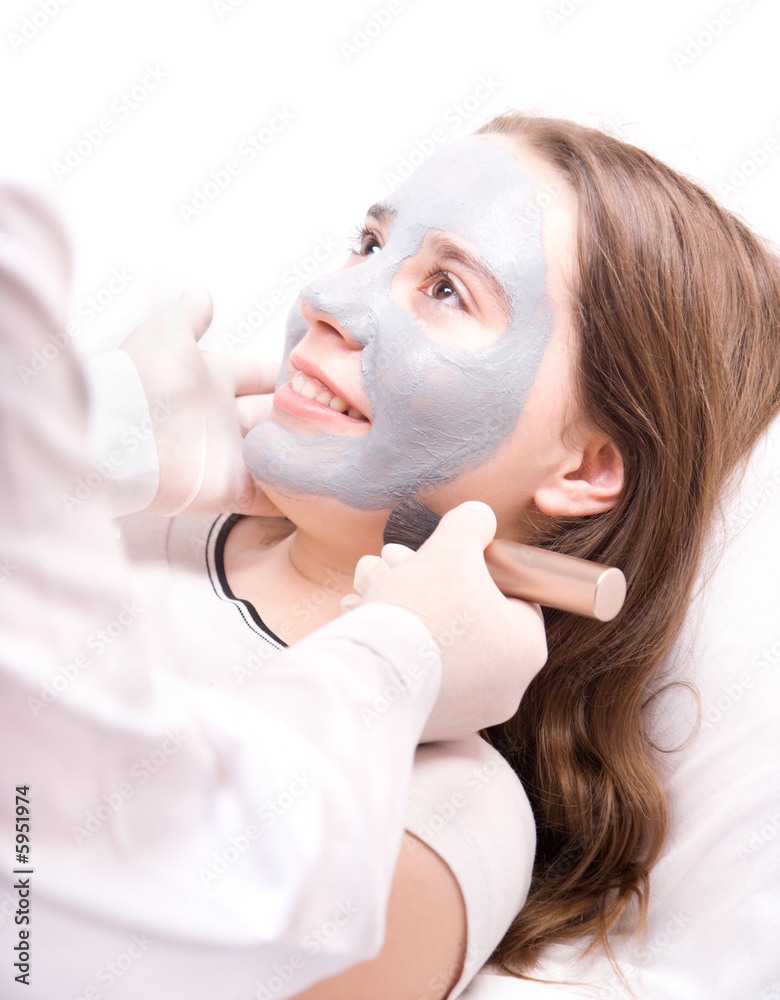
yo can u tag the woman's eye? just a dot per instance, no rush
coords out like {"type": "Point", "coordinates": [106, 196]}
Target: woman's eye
{"type": "Point", "coordinates": [444, 289]}
{"type": "Point", "coordinates": [365, 242]}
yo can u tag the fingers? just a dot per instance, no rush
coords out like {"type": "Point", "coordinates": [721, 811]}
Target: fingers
{"type": "Point", "coordinates": [195, 309]}
{"type": "Point", "coordinates": [253, 501]}
{"type": "Point", "coordinates": [368, 570]}
{"type": "Point", "coordinates": [349, 602]}
{"type": "Point", "coordinates": [252, 410]}
{"type": "Point", "coordinates": [252, 376]}
{"type": "Point", "coordinates": [472, 522]}
{"type": "Point", "coordinates": [535, 638]}
{"type": "Point", "coordinates": [395, 554]}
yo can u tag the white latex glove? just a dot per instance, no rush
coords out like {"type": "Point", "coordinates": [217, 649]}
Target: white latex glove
{"type": "Point", "coordinates": [213, 401]}
{"type": "Point", "coordinates": [492, 646]}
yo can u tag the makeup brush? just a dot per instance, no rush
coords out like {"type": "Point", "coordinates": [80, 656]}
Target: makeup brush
{"type": "Point", "coordinates": [532, 574]}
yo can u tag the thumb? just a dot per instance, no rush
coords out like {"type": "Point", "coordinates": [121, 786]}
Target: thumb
{"type": "Point", "coordinates": [252, 410]}
{"type": "Point", "coordinates": [252, 376]}
{"type": "Point", "coordinates": [195, 309]}
{"type": "Point", "coordinates": [472, 523]}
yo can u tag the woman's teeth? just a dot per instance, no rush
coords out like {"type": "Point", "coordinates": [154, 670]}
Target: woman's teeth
{"type": "Point", "coordinates": [311, 388]}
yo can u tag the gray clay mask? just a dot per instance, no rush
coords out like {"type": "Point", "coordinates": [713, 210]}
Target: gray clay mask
{"type": "Point", "coordinates": [436, 411]}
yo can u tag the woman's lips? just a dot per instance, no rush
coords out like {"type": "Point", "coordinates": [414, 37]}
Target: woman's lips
{"type": "Point", "coordinates": [310, 397]}
{"type": "Point", "coordinates": [310, 382]}
{"type": "Point", "coordinates": [311, 387]}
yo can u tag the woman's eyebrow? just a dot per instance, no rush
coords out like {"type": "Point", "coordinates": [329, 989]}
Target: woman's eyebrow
{"type": "Point", "coordinates": [442, 246]}
{"type": "Point", "coordinates": [381, 213]}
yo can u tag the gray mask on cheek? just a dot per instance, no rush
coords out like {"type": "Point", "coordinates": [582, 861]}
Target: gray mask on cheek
{"type": "Point", "coordinates": [436, 411]}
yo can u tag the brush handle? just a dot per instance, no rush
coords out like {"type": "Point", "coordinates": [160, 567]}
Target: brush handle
{"type": "Point", "coordinates": [549, 578]}
{"type": "Point", "coordinates": [556, 580]}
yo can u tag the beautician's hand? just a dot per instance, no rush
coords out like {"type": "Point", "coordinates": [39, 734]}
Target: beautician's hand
{"type": "Point", "coordinates": [491, 646]}
{"type": "Point", "coordinates": [202, 403]}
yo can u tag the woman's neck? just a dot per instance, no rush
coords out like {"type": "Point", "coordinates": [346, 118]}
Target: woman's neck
{"type": "Point", "coordinates": [315, 557]}
{"type": "Point", "coordinates": [296, 584]}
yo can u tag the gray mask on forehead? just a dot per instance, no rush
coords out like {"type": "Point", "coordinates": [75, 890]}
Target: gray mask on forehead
{"type": "Point", "coordinates": [436, 411]}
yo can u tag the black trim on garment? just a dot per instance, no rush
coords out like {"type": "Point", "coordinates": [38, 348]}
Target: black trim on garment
{"type": "Point", "coordinates": [219, 565]}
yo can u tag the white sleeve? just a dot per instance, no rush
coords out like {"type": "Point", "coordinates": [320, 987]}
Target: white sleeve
{"type": "Point", "coordinates": [182, 843]}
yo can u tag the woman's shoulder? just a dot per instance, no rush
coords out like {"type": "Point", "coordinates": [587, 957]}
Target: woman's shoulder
{"type": "Point", "coordinates": [468, 805]}
{"type": "Point", "coordinates": [468, 779]}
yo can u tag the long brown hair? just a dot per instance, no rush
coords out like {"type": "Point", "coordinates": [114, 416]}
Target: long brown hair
{"type": "Point", "coordinates": [678, 305]}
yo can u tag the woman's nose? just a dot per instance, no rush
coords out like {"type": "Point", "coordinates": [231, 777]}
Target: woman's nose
{"type": "Point", "coordinates": [342, 304]}
{"type": "Point", "coordinates": [321, 321]}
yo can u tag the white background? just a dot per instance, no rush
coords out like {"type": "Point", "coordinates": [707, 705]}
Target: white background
{"type": "Point", "coordinates": [693, 81]}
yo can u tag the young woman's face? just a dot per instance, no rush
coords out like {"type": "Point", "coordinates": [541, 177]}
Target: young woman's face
{"type": "Point", "coordinates": [408, 370]}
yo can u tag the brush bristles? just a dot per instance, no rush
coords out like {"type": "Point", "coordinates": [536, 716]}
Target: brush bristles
{"type": "Point", "coordinates": [410, 523]}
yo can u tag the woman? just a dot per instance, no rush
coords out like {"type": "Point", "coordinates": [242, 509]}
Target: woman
{"type": "Point", "coordinates": [343, 479]}
{"type": "Point", "coordinates": [594, 369]}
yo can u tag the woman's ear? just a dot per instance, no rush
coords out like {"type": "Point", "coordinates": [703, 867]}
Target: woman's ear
{"type": "Point", "coordinates": [588, 484]}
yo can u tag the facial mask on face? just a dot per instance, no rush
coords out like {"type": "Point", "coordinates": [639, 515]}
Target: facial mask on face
{"type": "Point", "coordinates": [436, 411]}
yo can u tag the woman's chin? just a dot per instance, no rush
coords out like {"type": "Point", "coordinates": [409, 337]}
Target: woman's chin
{"type": "Point", "coordinates": [267, 507]}
{"type": "Point", "coordinates": [278, 502]}
{"type": "Point", "coordinates": [322, 513]}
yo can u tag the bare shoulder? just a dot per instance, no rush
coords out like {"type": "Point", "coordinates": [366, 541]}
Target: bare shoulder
{"type": "Point", "coordinates": [425, 940]}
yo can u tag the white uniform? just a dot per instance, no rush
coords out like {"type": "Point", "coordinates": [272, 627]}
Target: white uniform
{"type": "Point", "coordinates": [170, 828]}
